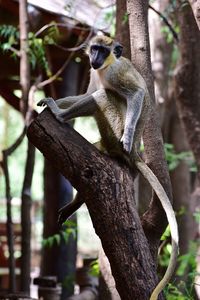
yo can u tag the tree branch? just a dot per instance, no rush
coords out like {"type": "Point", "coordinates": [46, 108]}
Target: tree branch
{"type": "Point", "coordinates": [8, 95]}
{"type": "Point", "coordinates": [107, 189]}
{"type": "Point", "coordinates": [166, 22]}
{"type": "Point", "coordinates": [24, 60]}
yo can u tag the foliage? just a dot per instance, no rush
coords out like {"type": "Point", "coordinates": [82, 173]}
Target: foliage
{"type": "Point", "coordinates": [179, 289]}
{"type": "Point", "coordinates": [94, 268]}
{"type": "Point", "coordinates": [10, 41]}
{"type": "Point", "coordinates": [9, 37]}
{"type": "Point", "coordinates": [11, 126]}
{"type": "Point", "coordinates": [110, 18]}
{"type": "Point", "coordinates": [69, 229]}
{"type": "Point", "coordinates": [174, 159]}
{"type": "Point", "coordinates": [125, 18]}
{"type": "Point", "coordinates": [168, 33]}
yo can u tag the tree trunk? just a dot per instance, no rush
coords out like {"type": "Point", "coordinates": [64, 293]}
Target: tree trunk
{"type": "Point", "coordinates": [195, 5]}
{"type": "Point", "coordinates": [188, 80]}
{"type": "Point", "coordinates": [113, 212]}
{"type": "Point", "coordinates": [107, 288]}
{"type": "Point", "coordinates": [107, 279]}
{"type": "Point", "coordinates": [154, 220]}
{"type": "Point", "coordinates": [187, 88]}
{"type": "Point", "coordinates": [24, 60]}
{"type": "Point", "coordinates": [122, 27]}
{"type": "Point", "coordinates": [26, 193]}
{"type": "Point", "coordinates": [171, 127]}
{"type": "Point", "coordinates": [26, 220]}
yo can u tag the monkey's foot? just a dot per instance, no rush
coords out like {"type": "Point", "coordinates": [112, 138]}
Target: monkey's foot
{"type": "Point", "coordinates": [62, 217]}
{"type": "Point", "coordinates": [45, 102]}
{"type": "Point", "coordinates": [66, 211]}
{"type": "Point", "coordinates": [127, 144]}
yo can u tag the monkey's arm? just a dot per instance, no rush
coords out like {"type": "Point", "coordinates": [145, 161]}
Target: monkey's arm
{"type": "Point", "coordinates": [133, 112]}
{"type": "Point", "coordinates": [85, 106]}
{"type": "Point", "coordinates": [73, 106]}
{"type": "Point", "coordinates": [66, 102]}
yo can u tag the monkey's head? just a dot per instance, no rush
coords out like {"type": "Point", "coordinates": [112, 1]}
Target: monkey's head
{"type": "Point", "coordinates": [103, 51]}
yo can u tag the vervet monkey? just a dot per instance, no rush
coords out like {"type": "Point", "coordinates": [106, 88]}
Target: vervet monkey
{"type": "Point", "coordinates": [118, 99]}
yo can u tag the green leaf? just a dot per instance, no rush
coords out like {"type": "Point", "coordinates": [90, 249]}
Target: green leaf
{"type": "Point", "coordinates": [57, 239]}
{"type": "Point", "coordinates": [94, 269]}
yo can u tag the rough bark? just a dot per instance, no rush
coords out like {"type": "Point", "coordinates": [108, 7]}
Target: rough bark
{"type": "Point", "coordinates": [107, 278]}
{"type": "Point", "coordinates": [171, 127]}
{"type": "Point", "coordinates": [107, 288]}
{"type": "Point", "coordinates": [187, 87]}
{"type": "Point", "coordinates": [181, 183]}
{"type": "Point", "coordinates": [122, 28]}
{"type": "Point", "coordinates": [188, 80]}
{"type": "Point", "coordinates": [154, 220]}
{"type": "Point", "coordinates": [24, 59]}
{"type": "Point", "coordinates": [113, 212]}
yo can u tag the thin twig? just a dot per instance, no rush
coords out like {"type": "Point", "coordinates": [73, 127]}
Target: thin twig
{"type": "Point", "coordinates": [47, 26]}
{"type": "Point", "coordinates": [166, 22]}
{"type": "Point", "coordinates": [16, 144]}
{"type": "Point", "coordinates": [17, 52]}
{"type": "Point", "coordinates": [57, 74]}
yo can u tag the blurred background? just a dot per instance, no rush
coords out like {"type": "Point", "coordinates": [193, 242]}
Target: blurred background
{"type": "Point", "coordinates": [42, 54]}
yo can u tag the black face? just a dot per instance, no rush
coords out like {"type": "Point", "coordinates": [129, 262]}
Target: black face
{"type": "Point", "coordinates": [98, 54]}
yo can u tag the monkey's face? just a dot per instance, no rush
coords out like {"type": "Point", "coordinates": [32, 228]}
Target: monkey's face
{"type": "Point", "coordinates": [98, 55]}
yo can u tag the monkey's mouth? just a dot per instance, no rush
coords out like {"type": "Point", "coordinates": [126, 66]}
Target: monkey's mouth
{"type": "Point", "coordinates": [96, 65]}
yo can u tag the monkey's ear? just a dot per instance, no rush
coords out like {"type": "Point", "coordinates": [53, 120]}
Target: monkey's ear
{"type": "Point", "coordinates": [118, 48]}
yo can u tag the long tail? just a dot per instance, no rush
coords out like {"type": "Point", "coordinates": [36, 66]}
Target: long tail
{"type": "Point", "coordinates": [166, 204]}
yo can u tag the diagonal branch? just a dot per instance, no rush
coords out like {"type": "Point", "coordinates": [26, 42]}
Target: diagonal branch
{"type": "Point", "coordinates": [107, 189]}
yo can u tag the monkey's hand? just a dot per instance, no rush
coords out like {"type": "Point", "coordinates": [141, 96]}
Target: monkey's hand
{"type": "Point", "coordinates": [51, 104]}
{"type": "Point", "coordinates": [45, 102]}
{"type": "Point", "coordinates": [127, 141]}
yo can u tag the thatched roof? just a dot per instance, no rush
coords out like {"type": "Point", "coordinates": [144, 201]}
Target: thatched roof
{"type": "Point", "coordinates": [89, 12]}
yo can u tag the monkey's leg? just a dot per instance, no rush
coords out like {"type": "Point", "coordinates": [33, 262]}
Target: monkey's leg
{"type": "Point", "coordinates": [133, 112]}
{"type": "Point", "coordinates": [66, 211]}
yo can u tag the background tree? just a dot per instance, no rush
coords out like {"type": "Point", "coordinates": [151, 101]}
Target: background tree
{"type": "Point", "coordinates": [180, 129]}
